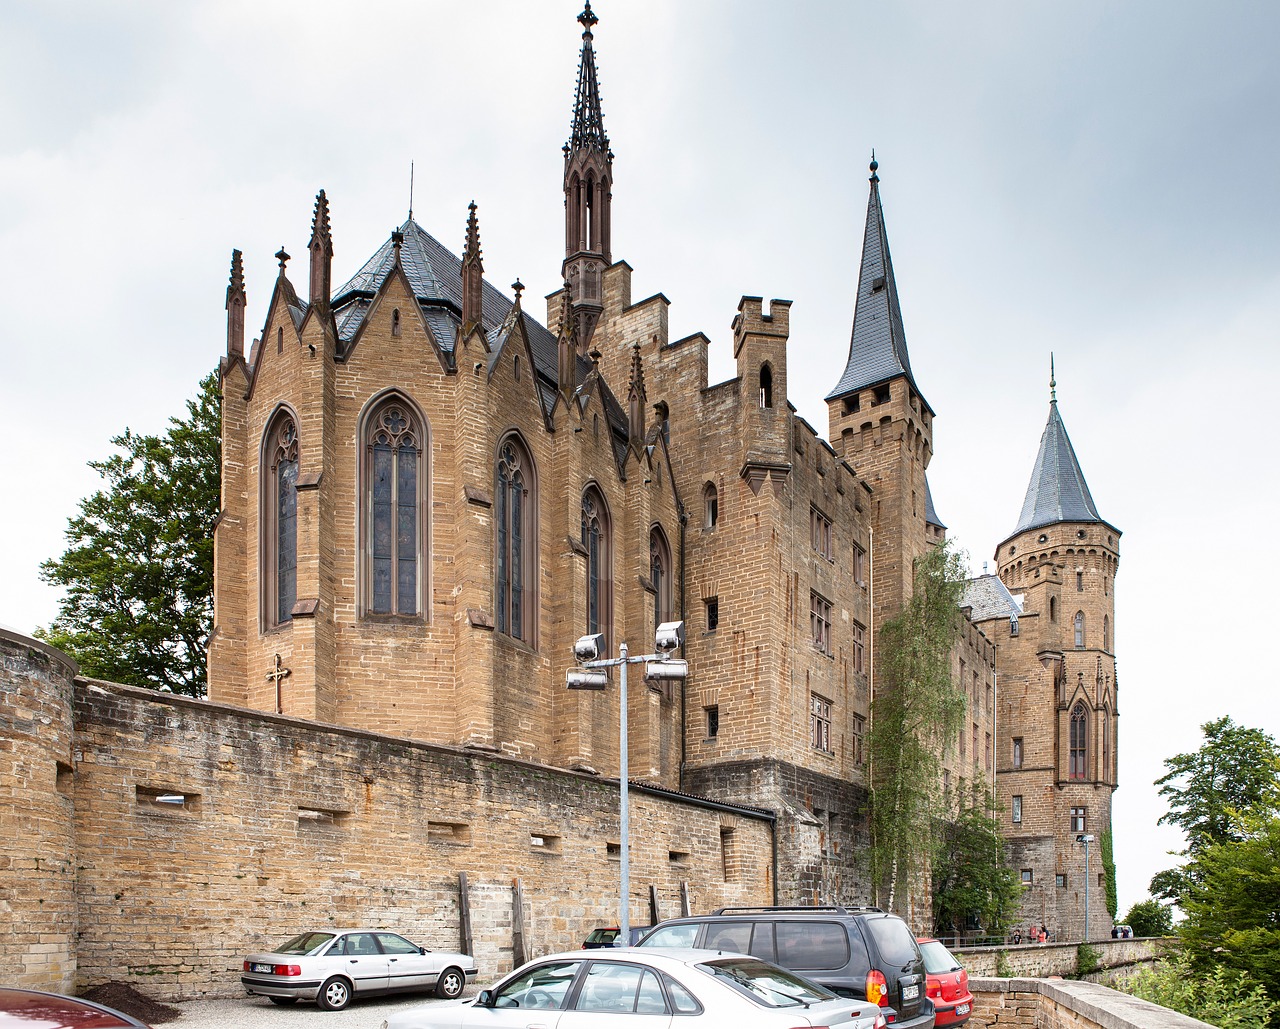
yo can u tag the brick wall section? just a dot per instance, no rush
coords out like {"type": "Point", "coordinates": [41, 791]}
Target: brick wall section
{"type": "Point", "coordinates": [38, 861]}
{"type": "Point", "coordinates": [288, 824]}
{"type": "Point", "coordinates": [1063, 1004]}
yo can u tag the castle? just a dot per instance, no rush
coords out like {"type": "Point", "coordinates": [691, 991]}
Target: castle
{"type": "Point", "coordinates": [429, 495]}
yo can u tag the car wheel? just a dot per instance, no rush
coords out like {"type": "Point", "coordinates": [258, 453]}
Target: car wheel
{"type": "Point", "coordinates": [283, 1002]}
{"type": "Point", "coordinates": [450, 983]}
{"type": "Point", "coordinates": [335, 994]}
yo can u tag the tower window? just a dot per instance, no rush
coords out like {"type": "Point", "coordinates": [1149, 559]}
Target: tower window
{"type": "Point", "coordinates": [596, 540]}
{"type": "Point", "coordinates": [280, 519]}
{"type": "Point", "coordinates": [515, 567]}
{"type": "Point", "coordinates": [1016, 808]}
{"type": "Point", "coordinates": [1106, 632]}
{"type": "Point", "coordinates": [660, 574]}
{"type": "Point", "coordinates": [766, 386]}
{"type": "Point", "coordinates": [851, 404]}
{"type": "Point", "coordinates": [1078, 819]}
{"type": "Point", "coordinates": [820, 622]}
{"type": "Point", "coordinates": [393, 551]}
{"type": "Point", "coordinates": [1053, 609]}
{"type": "Point", "coordinates": [710, 505]}
{"type": "Point", "coordinates": [1079, 739]}
{"type": "Point", "coordinates": [1079, 582]}
{"type": "Point", "coordinates": [1079, 630]}
{"type": "Point", "coordinates": [713, 720]}
{"type": "Point", "coordinates": [882, 394]}
{"type": "Point", "coordinates": [712, 607]}
{"type": "Point", "coordinates": [1017, 752]}
{"type": "Point", "coordinates": [820, 723]}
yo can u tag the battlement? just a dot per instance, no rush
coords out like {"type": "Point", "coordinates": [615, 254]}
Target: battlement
{"type": "Point", "coordinates": [752, 319]}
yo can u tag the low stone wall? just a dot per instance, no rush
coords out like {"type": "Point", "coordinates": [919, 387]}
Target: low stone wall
{"type": "Point", "coordinates": [1066, 1004]}
{"type": "Point", "coordinates": [1036, 960]}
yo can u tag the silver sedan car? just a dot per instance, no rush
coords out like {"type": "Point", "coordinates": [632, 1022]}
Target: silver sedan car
{"type": "Point", "coordinates": [646, 988]}
{"type": "Point", "coordinates": [333, 966]}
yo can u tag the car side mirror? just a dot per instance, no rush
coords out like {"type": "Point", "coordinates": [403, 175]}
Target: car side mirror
{"type": "Point", "coordinates": [422, 950]}
{"type": "Point", "coordinates": [485, 999]}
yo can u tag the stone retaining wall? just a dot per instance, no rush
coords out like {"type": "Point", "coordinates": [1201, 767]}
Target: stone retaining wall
{"type": "Point", "coordinates": [1046, 959]}
{"type": "Point", "coordinates": [1065, 1004]}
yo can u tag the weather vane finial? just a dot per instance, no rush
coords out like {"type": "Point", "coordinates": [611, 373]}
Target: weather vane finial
{"type": "Point", "coordinates": [588, 19]}
{"type": "Point", "coordinates": [875, 166]}
{"type": "Point", "coordinates": [1053, 385]}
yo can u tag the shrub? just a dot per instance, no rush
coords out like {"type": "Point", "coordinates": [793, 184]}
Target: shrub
{"type": "Point", "coordinates": [1223, 997]}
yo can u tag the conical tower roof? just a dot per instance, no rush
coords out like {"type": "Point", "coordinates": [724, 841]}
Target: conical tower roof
{"type": "Point", "coordinates": [1057, 491]}
{"type": "Point", "coordinates": [587, 132]}
{"type": "Point", "coordinates": [878, 345]}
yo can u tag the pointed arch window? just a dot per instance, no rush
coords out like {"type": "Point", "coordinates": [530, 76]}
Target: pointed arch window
{"type": "Point", "coordinates": [280, 519]}
{"type": "Point", "coordinates": [766, 386]}
{"type": "Point", "coordinates": [1079, 629]}
{"type": "Point", "coordinates": [660, 573]}
{"type": "Point", "coordinates": [710, 505]}
{"type": "Point", "coordinates": [393, 501]}
{"type": "Point", "coordinates": [1079, 741]}
{"type": "Point", "coordinates": [597, 543]}
{"type": "Point", "coordinates": [515, 510]}
{"type": "Point", "coordinates": [1106, 632]}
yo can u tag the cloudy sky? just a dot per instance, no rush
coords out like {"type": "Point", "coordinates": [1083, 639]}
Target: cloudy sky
{"type": "Point", "coordinates": [1091, 179]}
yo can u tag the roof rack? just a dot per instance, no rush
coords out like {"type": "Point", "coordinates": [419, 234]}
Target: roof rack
{"type": "Point", "coordinates": [835, 909]}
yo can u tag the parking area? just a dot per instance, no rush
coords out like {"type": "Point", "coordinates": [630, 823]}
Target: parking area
{"type": "Point", "coordinates": [260, 1013]}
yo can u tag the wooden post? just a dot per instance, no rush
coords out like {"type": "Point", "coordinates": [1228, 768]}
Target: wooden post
{"type": "Point", "coordinates": [684, 899]}
{"type": "Point", "coordinates": [653, 908]}
{"type": "Point", "coordinates": [464, 915]}
{"type": "Point", "coordinates": [517, 924]}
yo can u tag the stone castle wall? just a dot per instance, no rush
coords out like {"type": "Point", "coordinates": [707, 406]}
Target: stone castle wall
{"type": "Point", "coordinates": [195, 832]}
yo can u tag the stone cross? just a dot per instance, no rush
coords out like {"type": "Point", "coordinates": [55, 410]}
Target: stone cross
{"type": "Point", "coordinates": [278, 674]}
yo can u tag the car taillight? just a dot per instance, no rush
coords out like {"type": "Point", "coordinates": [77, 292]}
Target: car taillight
{"type": "Point", "coordinates": [877, 988]}
{"type": "Point", "coordinates": [934, 990]}
{"type": "Point", "coordinates": [246, 966]}
{"type": "Point", "coordinates": [287, 970]}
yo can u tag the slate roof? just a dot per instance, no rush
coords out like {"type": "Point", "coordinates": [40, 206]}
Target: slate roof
{"type": "Point", "coordinates": [878, 345]}
{"type": "Point", "coordinates": [989, 598]}
{"type": "Point", "coordinates": [930, 515]}
{"type": "Point", "coordinates": [1057, 491]}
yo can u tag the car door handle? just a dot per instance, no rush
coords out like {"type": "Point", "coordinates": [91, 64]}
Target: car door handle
{"type": "Point", "coordinates": [355, 961]}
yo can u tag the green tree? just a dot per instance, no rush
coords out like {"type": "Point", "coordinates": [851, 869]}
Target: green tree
{"type": "Point", "coordinates": [917, 711]}
{"type": "Point", "coordinates": [1236, 769]}
{"type": "Point", "coordinates": [1150, 918]}
{"type": "Point", "coordinates": [971, 878]}
{"type": "Point", "coordinates": [138, 570]}
{"type": "Point", "coordinates": [1232, 909]}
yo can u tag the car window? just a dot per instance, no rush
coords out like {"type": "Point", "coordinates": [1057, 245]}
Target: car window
{"type": "Point", "coordinates": [682, 1001]}
{"type": "Point", "coordinates": [304, 944]}
{"type": "Point", "coordinates": [766, 984]}
{"type": "Point", "coordinates": [620, 988]}
{"type": "Point", "coordinates": [543, 986]}
{"type": "Point", "coordinates": [672, 936]}
{"type": "Point", "coordinates": [357, 944]}
{"type": "Point", "coordinates": [393, 944]}
{"type": "Point", "coordinates": [937, 959]}
{"type": "Point", "coordinates": [806, 945]}
{"type": "Point", "coordinates": [893, 939]}
{"type": "Point", "coordinates": [734, 936]}
{"type": "Point", "coordinates": [602, 935]}
{"type": "Point", "coordinates": [762, 942]}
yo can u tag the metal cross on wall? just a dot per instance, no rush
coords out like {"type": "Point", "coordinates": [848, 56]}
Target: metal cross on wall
{"type": "Point", "coordinates": [278, 674]}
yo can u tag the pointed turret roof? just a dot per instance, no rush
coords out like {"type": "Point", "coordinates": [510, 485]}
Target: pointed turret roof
{"type": "Point", "coordinates": [587, 132]}
{"type": "Point", "coordinates": [1057, 491]}
{"type": "Point", "coordinates": [878, 345]}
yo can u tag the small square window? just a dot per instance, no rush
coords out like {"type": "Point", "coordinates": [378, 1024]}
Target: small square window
{"type": "Point", "coordinates": [1060, 881]}
{"type": "Point", "coordinates": [1026, 876]}
{"type": "Point", "coordinates": [1078, 819]}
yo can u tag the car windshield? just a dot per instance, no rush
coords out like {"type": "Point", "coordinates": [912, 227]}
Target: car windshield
{"type": "Point", "coordinates": [767, 984]}
{"type": "Point", "coordinates": [307, 943]}
{"type": "Point", "coordinates": [937, 959]}
{"type": "Point", "coordinates": [896, 944]}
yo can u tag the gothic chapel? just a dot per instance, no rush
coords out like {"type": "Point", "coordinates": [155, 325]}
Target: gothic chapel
{"type": "Point", "coordinates": [429, 495]}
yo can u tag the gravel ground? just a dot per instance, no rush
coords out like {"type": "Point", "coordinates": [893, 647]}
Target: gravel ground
{"type": "Point", "coordinates": [260, 1013]}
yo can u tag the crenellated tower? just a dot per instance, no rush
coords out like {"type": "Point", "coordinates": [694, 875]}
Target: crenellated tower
{"type": "Point", "coordinates": [881, 423]}
{"type": "Point", "coordinates": [588, 193]}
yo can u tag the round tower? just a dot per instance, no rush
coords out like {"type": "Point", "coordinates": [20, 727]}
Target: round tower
{"type": "Point", "coordinates": [1058, 690]}
{"type": "Point", "coordinates": [37, 859]}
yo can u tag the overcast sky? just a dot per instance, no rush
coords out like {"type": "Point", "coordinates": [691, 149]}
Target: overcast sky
{"type": "Point", "coordinates": [1094, 179]}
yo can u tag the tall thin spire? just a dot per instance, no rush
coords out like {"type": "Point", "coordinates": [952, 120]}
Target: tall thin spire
{"type": "Point", "coordinates": [1053, 385]}
{"type": "Point", "coordinates": [587, 132]}
{"type": "Point", "coordinates": [321, 248]}
{"type": "Point", "coordinates": [472, 274]}
{"type": "Point", "coordinates": [878, 343]}
{"type": "Point", "coordinates": [235, 306]}
{"type": "Point", "coordinates": [588, 194]}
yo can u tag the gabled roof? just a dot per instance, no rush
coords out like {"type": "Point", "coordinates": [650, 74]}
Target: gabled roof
{"type": "Point", "coordinates": [878, 344]}
{"type": "Point", "coordinates": [988, 597]}
{"type": "Point", "coordinates": [1057, 491]}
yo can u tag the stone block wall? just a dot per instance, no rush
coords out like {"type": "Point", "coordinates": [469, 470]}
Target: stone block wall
{"type": "Point", "coordinates": [201, 832]}
{"type": "Point", "coordinates": [1063, 1004]}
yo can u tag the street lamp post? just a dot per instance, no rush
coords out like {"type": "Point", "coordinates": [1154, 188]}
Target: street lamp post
{"type": "Point", "coordinates": [591, 675]}
{"type": "Point", "coordinates": [1086, 839]}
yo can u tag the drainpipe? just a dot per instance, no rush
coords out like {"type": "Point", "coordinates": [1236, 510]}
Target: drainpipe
{"type": "Point", "coordinates": [684, 688]}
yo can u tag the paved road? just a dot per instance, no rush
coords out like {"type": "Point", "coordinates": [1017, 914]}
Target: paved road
{"type": "Point", "coordinates": [260, 1013]}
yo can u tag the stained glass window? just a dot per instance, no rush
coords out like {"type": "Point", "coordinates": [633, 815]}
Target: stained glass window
{"type": "Point", "coordinates": [280, 520]}
{"type": "Point", "coordinates": [1078, 742]}
{"type": "Point", "coordinates": [514, 514]}
{"type": "Point", "coordinates": [595, 539]}
{"type": "Point", "coordinates": [394, 533]}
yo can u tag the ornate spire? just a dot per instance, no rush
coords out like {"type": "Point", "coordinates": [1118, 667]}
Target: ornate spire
{"type": "Point", "coordinates": [567, 346]}
{"type": "Point", "coordinates": [321, 248]}
{"type": "Point", "coordinates": [235, 306]}
{"type": "Point", "coordinates": [636, 398]}
{"type": "Point", "coordinates": [587, 132]}
{"type": "Point", "coordinates": [878, 344]}
{"type": "Point", "coordinates": [472, 275]}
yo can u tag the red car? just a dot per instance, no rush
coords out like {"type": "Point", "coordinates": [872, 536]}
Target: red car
{"type": "Point", "coordinates": [948, 984]}
{"type": "Point", "coordinates": [19, 1008]}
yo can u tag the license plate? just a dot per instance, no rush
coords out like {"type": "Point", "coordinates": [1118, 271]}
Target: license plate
{"type": "Point", "coordinates": [259, 967]}
{"type": "Point", "coordinates": [962, 1009]}
{"type": "Point", "coordinates": [910, 992]}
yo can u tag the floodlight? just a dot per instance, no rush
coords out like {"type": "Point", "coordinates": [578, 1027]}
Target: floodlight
{"type": "Point", "coordinates": [668, 670]}
{"type": "Point", "coordinates": [669, 637]}
{"type": "Point", "coordinates": [588, 647]}
{"type": "Point", "coordinates": [580, 679]}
